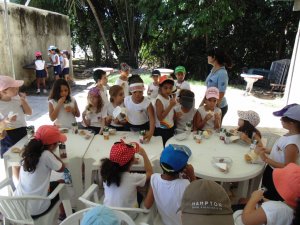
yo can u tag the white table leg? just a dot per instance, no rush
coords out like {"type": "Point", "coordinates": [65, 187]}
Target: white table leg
{"type": "Point", "coordinates": [88, 170]}
{"type": "Point", "coordinates": [243, 188]}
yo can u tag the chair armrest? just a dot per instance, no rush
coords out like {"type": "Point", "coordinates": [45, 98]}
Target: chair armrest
{"type": "Point", "coordinates": [7, 182]}
{"type": "Point", "coordinates": [56, 191]}
{"type": "Point", "coordinates": [125, 209]}
{"type": "Point", "coordinates": [89, 192]}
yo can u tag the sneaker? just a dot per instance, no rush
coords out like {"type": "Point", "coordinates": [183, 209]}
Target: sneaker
{"type": "Point", "coordinates": [45, 91]}
{"type": "Point", "coordinates": [38, 91]}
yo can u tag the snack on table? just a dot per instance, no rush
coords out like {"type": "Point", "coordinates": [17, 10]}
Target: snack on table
{"type": "Point", "coordinates": [64, 130]}
{"type": "Point", "coordinates": [82, 132]}
{"type": "Point", "coordinates": [251, 157]}
{"type": "Point", "coordinates": [16, 150]}
{"type": "Point", "coordinates": [223, 167]}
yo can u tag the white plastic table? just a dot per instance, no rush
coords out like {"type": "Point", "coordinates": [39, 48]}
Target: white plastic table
{"type": "Point", "coordinates": [165, 71]}
{"type": "Point", "coordinates": [203, 153]}
{"type": "Point", "coordinates": [250, 80]}
{"type": "Point", "coordinates": [100, 148]}
{"type": "Point", "coordinates": [76, 146]}
{"type": "Point", "coordinates": [106, 69]}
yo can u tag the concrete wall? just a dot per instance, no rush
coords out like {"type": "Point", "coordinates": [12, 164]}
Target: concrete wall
{"type": "Point", "coordinates": [31, 30]}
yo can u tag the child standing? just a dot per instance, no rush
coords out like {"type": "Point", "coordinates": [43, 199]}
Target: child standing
{"type": "Point", "coordinates": [41, 72]}
{"type": "Point", "coordinates": [185, 111]}
{"type": "Point", "coordinates": [209, 116]}
{"type": "Point", "coordinates": [11, 101]}
{"type": "Point", "coordinates": [62, 106]}
{"type": "Point", "coordinates": [285, 150]}
{"type": "Point", "coordinates": [152, 91]}
{"type": "Point", "coordinates": [167, 189]}
{"type": "Point", "coordinates": [66, 66]}
{"type": "Point", "coordinates": [101, 83]}
{"type": "Point", "coordinates": [54, 57]}
{"type": "Point", "coordinates": [38, 160]}
{"type": "Point", "coordinates": [140, 113]}
{"type": "Point", "coordinates": [116, 93]}
{"type": "Point", "coordinates": [123, 79]}
{"type": "Point", "coordinates": [164, 109]}
{"type": "Point", "coordinates": [180, 82]}
{"type": "Point", "coordinates": [95, 112]}
{"type": "Point", "coordinates": [120, 186]}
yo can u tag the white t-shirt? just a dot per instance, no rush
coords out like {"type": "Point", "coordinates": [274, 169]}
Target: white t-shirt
{"type": "Point", "coordinates": [153, 89]}
{"type": "Point", "coordinates": [103, 94]}
{"type": "Point", "coordinates": [53, 58]}
{"type": "Point", "coordinates": [64, 119]}
{"type": "Point", "coordinates": [39, 64]}
{"type": "Point", "coordinates": [124, 85]}
{"type": "Point", "coordinates": [126, 194]}
{"type": "Point", "coordinates": [183, 85]}
{"type": "Point", "coordinates": [278, 213]}
{"type": "Point", "coordinates": [210, 124]}
{"type": "Point", "coordinates": [66, 63]}
{"type": "Point", "coordinates": [14, 105]}
{"type": "Point", "coordinates": [168, 195]}
{"type": "Point", "coordinates": [168, 121]}
{"type": "Point", "coordinates": [185, 117]}
{"type": "Point", "coordinates": [110, 110]}
{"type": "Point", "coordinates": [37, 183]}
{"type": "Point", "coordinates": [137, 114]}
{"type": "Point", "coordinates": [278, 151]}
{"type": "Point", "coordinates": [96, 119]}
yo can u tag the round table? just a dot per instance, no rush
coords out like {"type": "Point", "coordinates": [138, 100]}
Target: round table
{"type": "Point", "coordinates": [165, 71]}
{"type": "Point", "coordinates": [203, 153]}
{"type": "Point", "coordinates": [250, 80]}
{"type": "Point", "coordinates": [106, 69]}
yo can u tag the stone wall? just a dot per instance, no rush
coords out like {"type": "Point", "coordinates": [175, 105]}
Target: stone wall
{"type": "Point", "coordinates": [31, 30]}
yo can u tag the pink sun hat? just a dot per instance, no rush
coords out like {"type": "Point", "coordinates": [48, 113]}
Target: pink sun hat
{"type": "Point", "coordinates": [7, 82]}
{"type": "Point", "coordinates": [37, 53]}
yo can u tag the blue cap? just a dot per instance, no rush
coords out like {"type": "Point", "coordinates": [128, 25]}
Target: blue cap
{"type": "Point", "coordinates": [175, 156]}
{"type": "Point", "coordinates": [100, 215]}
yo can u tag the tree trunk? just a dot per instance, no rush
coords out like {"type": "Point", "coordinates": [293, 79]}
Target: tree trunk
{"type": "Point", "coordinates": [106, 45]}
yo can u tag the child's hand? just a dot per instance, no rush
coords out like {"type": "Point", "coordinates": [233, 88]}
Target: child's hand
{"type": "Point", "coordinates": [178, 114]}
{"type": "Point", "coordinates": [189, 172]}
{"type": "Point", "coordinates": [69, 109]}
{"type": "Point", "coordinates": [147, 136]}
{"type": "Point", "coordinates": [173, 102]}
{"type": "Point", "coordinates": [61, 101]}
{"type": "Point", "coordinates": [101, 131]}
{"type": "Point", "coordinates": [244, 137]}
{"type": "Point", "coordinates": [257, 195]}
{"type": "Point", "coordinates": [22, 96]}
{"type": "Point", "coordinates": [259, 150]}
{"type": "Point", "coordinates": [208, 117]}
{"type": "Point", "coordinates": [217, 116]}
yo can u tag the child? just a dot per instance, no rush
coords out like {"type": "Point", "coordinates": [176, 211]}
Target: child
{"type": "Point", "coordinates": [180, 82]}
{"type": "Point", "coordinates": [120, 186]}
{"type": "Point", "coordinates": [41, 72]}
{"type": "Point", "coordinates": [167, 189]}
{"type": "Point", "coordinates": [248, 120]}
{"type": "Point", "coordinates": [95, 112]}
{"type": "Point", "coordinates": [66, 66]}
{"type": "Point", "coordinates": [140, 113]}
{"type": "Point", "coordinates": [285, 150]}
{"type": "Point", "coordinates": [123, 79]}
{"type": "Point", "coordinates": [54, 58]}
{"type": "Point", "coordinates": [164, 108]}
{"type": "Point", "coordinates": [38, 160]}
{"type": "Point", "coordinates": [287, 183]}
{"type": "Point", "coordinates": [116, 93]}
{"type": "Point", "coordinates": [101, 83]}
{"type": "Point", "coordinates": [100, 215]}
{"type": "Point", "coordinates": [209, 117]}
{"type": "Point", "coordinates": [11, 101]}
{"type": "Point", "coordinates": [62, 106]}
{"type": "Point", "coordinates": [152, 91]}
{"type": "Point", "coordinates": [185, 112]}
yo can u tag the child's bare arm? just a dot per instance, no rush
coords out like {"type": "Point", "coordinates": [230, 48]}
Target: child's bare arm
{"type": "Point", "coordinates": [161, 113]}
{"type": "Point", "coordinates": [150, 111]}
{"type": "Point", "coordinates": [76, 111]}
{"type": "Point", "coordinates": [149, 200]}
{"type": "Point", "coordinates": [26, 108]}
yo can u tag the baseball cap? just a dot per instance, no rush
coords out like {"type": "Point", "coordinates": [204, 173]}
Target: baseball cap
{"type": "Point", "coordinates": [122, 153]}
{"type": "Point", "coordinates": [37, 53]}
{"type": "Point", "coordinates": [291, 111]}
{"type": "Point", "coordinates": [179, 69]}
{"type": "Point", "coordinates": [206, 202]}
{"type": "Point", "coordinates": [175, 156]}
{"type": "Point", "coordinates": [7, 82]}
{"type": "Point", "coordinates": [100, 215]}
{"type": "Point", "coordinates": [155, 73]}
{"type": "Point", "coordinates": [49, 134]}
{"type": "Point", "coordinates": [94, 91]}
{"type": "Point", "coordinates": [250, 116]}
{"type": "Point", "coordinates": [164, 79]}
{"type": "Point", "coordinates": [124, 66]}
{"type": "Point", "coordinates": [287, 183]}
{"type": "Point", "coordinates": [51, 47]}
{"type": "Point", "coordinates": [212, 92]}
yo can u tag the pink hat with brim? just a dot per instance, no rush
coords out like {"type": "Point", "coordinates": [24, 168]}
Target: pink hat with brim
{"type": "Point", "coordinates": [7, 82]}
{"type": "Point", "coordinates": [37, 54]}
{"type": "Point", "coordinates": [212, 92]}
{"type": "Point", "coordinates": [287, 183]}
{"type": "Point", "coordinates": [49, 134]}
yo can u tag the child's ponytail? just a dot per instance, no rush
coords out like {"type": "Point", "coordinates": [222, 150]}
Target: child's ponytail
{"type": "Point", "coordinates": [31, 155]}
{"type": "Point", "coordinates": [111, 172]}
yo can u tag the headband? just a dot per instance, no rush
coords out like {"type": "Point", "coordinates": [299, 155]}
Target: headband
{"type": "Point", "coordinates": [136, 87]}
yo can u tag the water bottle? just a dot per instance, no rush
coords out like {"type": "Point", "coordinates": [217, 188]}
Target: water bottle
{"type": "Point", "coordinates": [253, 145]}
{"type": "Point", "coordinates": [67, 176]}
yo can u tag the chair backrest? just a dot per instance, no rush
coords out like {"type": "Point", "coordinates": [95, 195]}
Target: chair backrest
{"type": "Point", "coordinates": [75, 218]}
{"type": "Point", "coordinates": [271, 139]}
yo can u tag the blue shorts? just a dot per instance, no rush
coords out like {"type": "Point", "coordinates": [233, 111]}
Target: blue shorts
{"type": "Point", "coordinates": [65, 71]}
{"type": "Point", "coordinates": [57, 70]}
{"type": "Point", "coordinates": [40, 73]}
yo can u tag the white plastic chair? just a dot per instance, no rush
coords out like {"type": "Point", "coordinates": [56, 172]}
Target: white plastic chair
{"type": "Point", "coordinates": [75, 218]}
{"type": "Point", "coordinates": [270, 138]}
{"type": "Point", "coordinates": [91, 199]}
{"type": "Point", "coordinates": [14, 208]}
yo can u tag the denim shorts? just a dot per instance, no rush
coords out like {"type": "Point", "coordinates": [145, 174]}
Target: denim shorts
{"type": "Point", "coordinates": [57, 70]}
{"type": "Point", "coordinates": [40, 73]}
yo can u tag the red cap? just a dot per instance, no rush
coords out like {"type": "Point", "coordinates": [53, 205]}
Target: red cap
{"type": "Point", "coordinates": [122, 153]}
{"type": "Point", "coordinates": [165, 78]}
{"type": "Point", "coordinates": [49, 134]}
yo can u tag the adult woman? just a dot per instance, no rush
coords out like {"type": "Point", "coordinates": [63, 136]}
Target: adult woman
{"type": "Point", "coordinates": [218, 76]}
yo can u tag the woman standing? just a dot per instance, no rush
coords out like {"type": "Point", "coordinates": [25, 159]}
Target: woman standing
{"type": "Point", "coordinates": [218, 76]}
